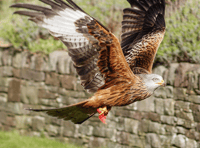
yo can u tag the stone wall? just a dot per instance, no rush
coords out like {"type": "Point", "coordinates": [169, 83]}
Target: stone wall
{"type": "Point", "coordinates": [170, 118]}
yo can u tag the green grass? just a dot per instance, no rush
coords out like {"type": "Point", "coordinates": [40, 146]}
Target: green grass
{"type": "Point", "coordinates": [14, 140]}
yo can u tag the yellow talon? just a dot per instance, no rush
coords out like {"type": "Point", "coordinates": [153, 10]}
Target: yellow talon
{"type": "Point", "coordinates": [103, 111]}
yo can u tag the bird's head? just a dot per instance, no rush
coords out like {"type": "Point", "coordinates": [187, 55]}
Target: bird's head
{"type": "Point", "coordinates": [152, 81]}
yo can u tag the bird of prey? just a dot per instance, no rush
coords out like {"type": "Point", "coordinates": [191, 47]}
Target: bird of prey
{"type": "Point", "coordinates": [117, 73]}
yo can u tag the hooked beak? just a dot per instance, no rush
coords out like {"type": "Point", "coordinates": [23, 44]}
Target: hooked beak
{"type": "Point", "coordinates": [162, 83]}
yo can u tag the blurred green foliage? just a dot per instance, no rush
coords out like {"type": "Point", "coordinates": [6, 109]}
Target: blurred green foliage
{"type": "Point", "coordinates": [182, 37]}
{"type": "Point", "coordinates": [24, 34]}
{"type": "Point", "coordinates": [14, 140]}
{"type": "Point", "coordinates": [181, 41]}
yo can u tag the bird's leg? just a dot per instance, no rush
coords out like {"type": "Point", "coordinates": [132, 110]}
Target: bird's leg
{"type": "Point", "coordinates": [103, 113]}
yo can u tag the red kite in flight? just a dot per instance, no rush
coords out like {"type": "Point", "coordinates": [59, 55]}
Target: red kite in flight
{"type": "Point", "coordinates": [117, 74]}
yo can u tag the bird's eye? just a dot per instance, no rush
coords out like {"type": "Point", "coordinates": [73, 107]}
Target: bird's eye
{"type": "Point", "coordinates": [155, 79]}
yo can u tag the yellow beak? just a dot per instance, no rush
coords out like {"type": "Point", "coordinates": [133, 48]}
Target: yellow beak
{"type": "Point", "coordinates": [162, 83]}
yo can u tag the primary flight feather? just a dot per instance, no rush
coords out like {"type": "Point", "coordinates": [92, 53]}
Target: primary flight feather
{"type": "Point", "coordinates": [117, 74]}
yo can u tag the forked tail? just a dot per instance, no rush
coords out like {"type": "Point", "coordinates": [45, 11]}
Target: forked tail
{"type": "Point", "coordinates": [77, 113]}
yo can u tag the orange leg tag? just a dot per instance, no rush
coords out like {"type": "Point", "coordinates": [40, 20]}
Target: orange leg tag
{"type": "Point", "coordinates": [102, 117]}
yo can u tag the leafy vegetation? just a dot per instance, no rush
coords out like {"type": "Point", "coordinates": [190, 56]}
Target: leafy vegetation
{"type": "Point", "coordinates": [14, 140]}
{"type": "Point", "coordinates": [24, 34]}
{"type": "Point", "coordinates": [182, 37]}
{"type": "Point", "coordinates": [181, 41]}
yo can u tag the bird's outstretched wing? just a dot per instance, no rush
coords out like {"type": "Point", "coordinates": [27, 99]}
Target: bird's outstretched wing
{"type": "Point", "coordinates": [112, 64]}
{"type": "Point", "coordinates": [68, 22]}
{"type": "Point", "coordinates": [143, 29]}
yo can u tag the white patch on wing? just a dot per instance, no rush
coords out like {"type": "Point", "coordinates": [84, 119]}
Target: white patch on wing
{"type": "Point", "coordinates": [60, 19]}
{"type": "Point", "coordinates": [74, 14]}
{"type": "Point", "coordinates": [136, 8]}
{"type": "Point", "coordinates": [59, 29]}
{"type": "Point", "coordinates": [75, 39]}
{"type": "Point", "coordinates": [63, 24]}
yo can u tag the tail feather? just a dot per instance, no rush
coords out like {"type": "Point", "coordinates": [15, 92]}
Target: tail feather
{"type": "Point", "coordinates": [76, 112]}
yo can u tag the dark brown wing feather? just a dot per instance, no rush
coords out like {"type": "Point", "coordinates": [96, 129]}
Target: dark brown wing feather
{"type": "Point", "coordinates": [143, 28]}
{"type": "Point", "coordinates": [121, 86]}
{"type": "Point", "coordinates": [76, 112]}
{"type": "Point", "coordinates": [111, 61]}
{"type": "Point", "coordinates": [68, 22]}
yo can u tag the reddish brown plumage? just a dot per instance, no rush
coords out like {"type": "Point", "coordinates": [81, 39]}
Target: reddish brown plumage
{"type": "Point", "coordinates": [121, 84]}
{"type": "Point", "coordinates": [148, 47]}
{"type": "Point", "coordinates": [143, 29]}
{"type": "Point", "coordinates": [105, 67]}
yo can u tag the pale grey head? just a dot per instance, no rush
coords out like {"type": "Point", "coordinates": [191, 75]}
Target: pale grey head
{"type": "Point", "coordinates": [152, 81]}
